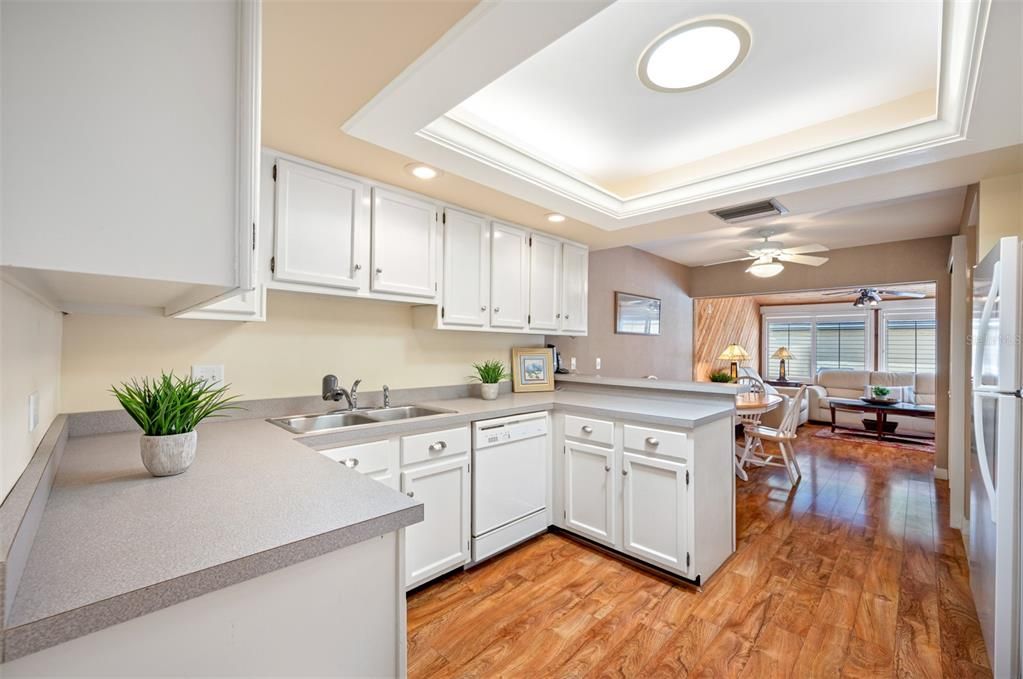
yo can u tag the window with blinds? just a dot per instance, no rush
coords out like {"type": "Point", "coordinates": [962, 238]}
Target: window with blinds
{"type": "Point", "coordinates": [910, 344]}
{"type": "Point", "coordinates": [795, 336]}
{"type": "Point", "coordinates": [841, 345]}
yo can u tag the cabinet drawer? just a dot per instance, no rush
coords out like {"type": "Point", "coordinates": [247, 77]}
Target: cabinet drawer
{"type": "Point", "coordinates": [368, 458]}
{"type": "Point", "coordinates": [434, 445]}
{"type": "Point", "coordinates": [588, 429]}
{"type": "Point", "coordinates": [647, 440]}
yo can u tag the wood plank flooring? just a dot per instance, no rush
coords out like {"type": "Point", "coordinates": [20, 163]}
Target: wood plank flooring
{"type": "Point", "coordinates": [851, 574]}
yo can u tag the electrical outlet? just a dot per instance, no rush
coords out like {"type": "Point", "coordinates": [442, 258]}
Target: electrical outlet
{"type": "Point", "coordinates": [213, 373]}
{"type": "Point", "coordinates": [33, 411]}
{"type": "Point", "coordinates": [598, 363]}
{"type": "Point", "coordinates": [572, 363]}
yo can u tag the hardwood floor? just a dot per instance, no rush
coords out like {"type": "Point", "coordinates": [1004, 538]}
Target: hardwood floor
{"type": "Point", "coordinates": [853, 573]}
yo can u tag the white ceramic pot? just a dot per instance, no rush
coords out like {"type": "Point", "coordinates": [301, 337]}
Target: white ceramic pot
{"type": "Point", "coordinates": [489, 391]}
{"type": "Point", "coordinates": [168, 455]}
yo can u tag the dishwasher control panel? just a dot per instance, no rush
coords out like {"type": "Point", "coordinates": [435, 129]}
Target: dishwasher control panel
{"type": "Point", "coordinates": [505, 430]}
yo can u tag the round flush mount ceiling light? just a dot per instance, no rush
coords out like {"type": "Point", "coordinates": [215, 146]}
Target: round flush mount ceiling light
{"type": "Point", "coordinates": [765, 268]}
{"type": "Point", "coordinates": [421, 171]}
{"type": "Point", "coordinates": [555, 218]}
{"type": "Point", "coordinates": [694, 54]}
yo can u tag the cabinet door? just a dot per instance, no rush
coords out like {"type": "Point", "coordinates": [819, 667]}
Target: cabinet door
{"type": "Point", "coordinates": [544, 282]}
{"type": "Point", "coordinates": [574, 288]}
{"type": "Point", "coordinates": [404, 245]}
{"type": "Point", "coordinates": [509, 276]}
{"type": "Point", "coordinates": [589, 491]}
{"type": "Point", "coordinates": [245, 306]}
{"type": "Point", "coordinates": [656, 510]}
{"type": "Point", "coordinates": [466, 269]}
{"type": "Point", "coordinates": [441, 541]}
{"type": "Point", "coordinates": [320, 229]}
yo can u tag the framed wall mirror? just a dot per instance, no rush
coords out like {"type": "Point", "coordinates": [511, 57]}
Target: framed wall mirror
{"type": "Point", "coordinates": [637, 315]}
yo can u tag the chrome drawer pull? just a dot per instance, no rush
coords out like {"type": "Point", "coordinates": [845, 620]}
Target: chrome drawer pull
{"type": "Point", "coordinates": [587, 429]}
{"type": "Point", "coordinates": [411, 493]}
{"type": "Point", "coordinates": [351, 462]}
{"type": "Point", "coordinates": [438, 446]}
{"type": "Point", "coordinates": [651, 441]}
{"type": "Point", "coordinates": [625, 472]}
{"type": "Point", "coordinates": [607, 467]}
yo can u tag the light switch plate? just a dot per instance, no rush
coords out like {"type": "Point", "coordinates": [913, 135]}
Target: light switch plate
{"type": "Point", "coordinates": [211, 372]}
{"type": "Point", "coordinates": [33, 411]}
{"type": "Point", "coordinates": [572, 363]}
{"type": "Point", "coordinates": [598, 363]}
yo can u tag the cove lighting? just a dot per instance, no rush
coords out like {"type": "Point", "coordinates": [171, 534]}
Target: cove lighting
{"type": "Point", "coordinates": [694, 54]}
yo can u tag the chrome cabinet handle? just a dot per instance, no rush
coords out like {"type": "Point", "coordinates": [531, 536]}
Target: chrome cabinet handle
{"type": "Point", "coordinates": [566, 317]}
{"type": "Point", "coordinates": [358, 267]}
{"type": "Point", "coordinates": [607, 467]}
{"type": "Point", "coordinates": [651, 441]}
{"type": "Point", "coordinates": [483, 308]}
{"type": "Point", "coordinates": [558, 316]}
{"type": "Point", "coordinates": [351, 462]}
{"type": "Point", "coordinates": [438, 446]}
{"type": "Point", "coordinates": [379, 270]}
{"type": "Point", "coordinates": [625, 472]}
{"type": "Point", "coordinates": [497, 309]}
{"type": "Point", "coordinates": [411, 493]}
{"type": "Point", "coordinates": [587, 429]}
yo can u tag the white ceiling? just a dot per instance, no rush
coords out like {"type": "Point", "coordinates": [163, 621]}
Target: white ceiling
{"type": "Point", "coordinates": [932, 214]}
{"type": "Point", "coordinates": [578, 104]}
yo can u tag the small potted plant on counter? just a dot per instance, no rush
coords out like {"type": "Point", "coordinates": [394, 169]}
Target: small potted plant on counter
{"type": "Point", "coordinates": [488, 374]}
{"type": "Point", "coordinates": [720, 376]}
{"type": "Point", "coordinates": [168, 409]}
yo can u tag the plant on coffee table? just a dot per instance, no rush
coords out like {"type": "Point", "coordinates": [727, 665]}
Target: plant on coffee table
{"type": "Point", "coordinates": [880, 393]}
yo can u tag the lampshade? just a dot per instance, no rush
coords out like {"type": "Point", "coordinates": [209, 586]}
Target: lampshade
{"type": "Point", "coordinates": [782, 352]}
{"type": "Point", "coordinates": [734, 352]}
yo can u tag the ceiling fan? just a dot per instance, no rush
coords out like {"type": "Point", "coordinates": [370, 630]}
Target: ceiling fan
{"type": "Point", "coordinates": [872, 296]}
{"type": "Point", "coordinates": [764, 255]}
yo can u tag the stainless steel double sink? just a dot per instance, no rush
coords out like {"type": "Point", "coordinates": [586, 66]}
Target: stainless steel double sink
{"type": "Point", "coordinates": [305, 424]}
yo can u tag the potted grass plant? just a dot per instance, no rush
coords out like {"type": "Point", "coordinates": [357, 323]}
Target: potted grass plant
{"type": "Point", "coordinates": [720, 376]}
{"type": "Point", "coordinates": [168, 408]}
{"type": "Point", "coordinates": [489, 374]}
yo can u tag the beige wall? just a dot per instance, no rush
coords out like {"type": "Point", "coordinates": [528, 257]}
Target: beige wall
{"type": "Point", "coordinates": [305, 337]}
{"type": "Point", "coordinates": [30, 335]}
{"type": "Point", "coordinates": [1001, 210]}
{"type": "Point", "coordinates": [668, 355]}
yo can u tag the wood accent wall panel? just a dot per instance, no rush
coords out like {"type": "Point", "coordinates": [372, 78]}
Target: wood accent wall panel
{"type": "Point", "coordinates": [718, 322]}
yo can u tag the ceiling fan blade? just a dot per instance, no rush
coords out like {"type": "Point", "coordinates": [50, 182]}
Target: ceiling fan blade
{"type": "Point", "coordinates": [844, 293]}
{"type": "Point", "coordinates": [804, 249]}
{"type": "Point", "coordinates": [729, 261]}
{"type": "Point", "coordinates": [802, 259]}
{"type": "Point", "coordinates": [902, 293]}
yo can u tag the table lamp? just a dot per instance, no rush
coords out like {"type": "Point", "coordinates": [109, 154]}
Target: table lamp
{"type": "Point", "coordinates": [734, 353]}
{"type": "Point", "coordinates": [782, 354]}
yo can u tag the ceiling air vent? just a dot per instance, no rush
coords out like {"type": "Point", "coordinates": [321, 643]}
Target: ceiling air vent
{"type": "Point", "coordinates": [749, 211]}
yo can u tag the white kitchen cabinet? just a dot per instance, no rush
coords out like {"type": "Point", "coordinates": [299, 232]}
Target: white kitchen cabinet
{"type": "Point", "coordinates": [321, 227]}
{"type": "Point", "coordinates": [574, 289]}
{"type": "Point", "coordinates": [249, 305]}
{"type": "Point", "coordinates": [129, 156]}
{"type": "Point", "coordinates": [590, 491]}
{"type": "Point", "coordinates": [544, 282]}
{"type": "Point", "coordinates": [656, 510]}
{"type": "Point", "coordinates": [441, 541]}
{"type": "Point", "coordinates": [404, 245]}
{"type": "Point", "coordinates": [466, 285]}
{"type": "Point", "coordinates": [509, 276]}
{"type": "Point", "coordinates": [376, 459]}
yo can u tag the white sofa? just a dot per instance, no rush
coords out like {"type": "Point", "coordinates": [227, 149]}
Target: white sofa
{"type": "Point", "coordinates": [853, 384]}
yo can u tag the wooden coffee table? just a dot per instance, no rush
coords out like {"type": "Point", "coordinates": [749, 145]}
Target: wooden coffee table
{"type": "Point", "coordinates": [881, 413]}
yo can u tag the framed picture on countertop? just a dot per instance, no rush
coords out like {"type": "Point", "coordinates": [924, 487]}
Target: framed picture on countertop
{"type": "Point", "coordinates": [532, 369]}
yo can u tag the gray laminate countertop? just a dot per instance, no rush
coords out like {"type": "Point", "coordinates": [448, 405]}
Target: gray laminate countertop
{"type": "Point", "coordinates": [695, 388]}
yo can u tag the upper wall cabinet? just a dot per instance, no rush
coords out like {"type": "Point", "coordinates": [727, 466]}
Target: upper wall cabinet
{"type": "Point", "coordinates": [131, 148]}
{"type": "Point", "coordinates": [509, 276]}
{"type": "Point", "coordinates": [322, 225]}
{"type": "Point", "coordinates": [544, 282]}
{"type": "Point", "coordinates": [404, 252]}
{"type": "Point", "coordinates": [466, 286]}
{"type": "Point", "coordinates": [574, 289]}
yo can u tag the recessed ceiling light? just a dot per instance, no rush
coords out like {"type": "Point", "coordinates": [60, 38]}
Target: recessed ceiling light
{"type": "Point", "coordinates": [555, 218]}
{"type": "Point", "coordinates": [421, 171]}
{"type": "Point", "coordinates": [765, 268]}
{"type": "Point", "coordinates": [694, 54]}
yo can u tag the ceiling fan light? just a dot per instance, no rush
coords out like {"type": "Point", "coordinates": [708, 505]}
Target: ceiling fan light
{"type": "Point", "coordinates": [766, 269]}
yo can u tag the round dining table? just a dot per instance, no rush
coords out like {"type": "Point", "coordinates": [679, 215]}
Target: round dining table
{"type": "Point", "coordinates": [749, 408]}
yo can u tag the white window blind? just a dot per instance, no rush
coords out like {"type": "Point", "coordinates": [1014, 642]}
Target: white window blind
{"type": "Point", "coordinates": [795, 336]}
{"type": "Point", "coordinates": [841, 345]}
{"type": "Point", "coordinates": [910, 344]}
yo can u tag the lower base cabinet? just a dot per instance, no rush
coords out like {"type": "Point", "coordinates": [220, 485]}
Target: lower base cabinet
{"type": "Point", "coordinates": [590, 491]}
{"type": "Point", "coordinates": [655, 503]}
{"type": "Point", "coordinates": [441, 541]}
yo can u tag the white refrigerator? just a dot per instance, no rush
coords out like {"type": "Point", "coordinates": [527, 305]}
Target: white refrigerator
{"type": "Point", "coordinates": [995, 490]}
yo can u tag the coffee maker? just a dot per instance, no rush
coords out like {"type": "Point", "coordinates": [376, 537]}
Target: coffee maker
{"type": "Point", "coordinates": [558, 368]}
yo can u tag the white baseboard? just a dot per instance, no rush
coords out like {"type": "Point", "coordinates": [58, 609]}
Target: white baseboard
{"type": "Point", "coordinates": [941, 473]}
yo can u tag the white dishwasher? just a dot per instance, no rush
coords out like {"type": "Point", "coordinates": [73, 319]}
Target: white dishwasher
{"type": "Point", "coordinates": [510, 468]}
